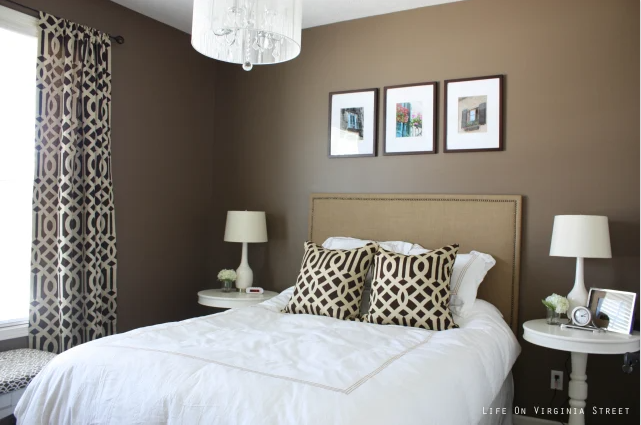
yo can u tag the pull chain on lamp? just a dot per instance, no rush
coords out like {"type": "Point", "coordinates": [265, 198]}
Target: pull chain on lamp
{"type": "Point", "coordinates": [248, 32]}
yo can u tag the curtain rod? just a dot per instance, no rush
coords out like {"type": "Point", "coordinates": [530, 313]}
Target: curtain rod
{"type": "Point", "coordinates": [117, 38]}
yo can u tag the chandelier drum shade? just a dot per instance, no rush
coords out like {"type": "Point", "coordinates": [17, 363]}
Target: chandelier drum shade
{"type": "Point", "coordinates": [248, 32]}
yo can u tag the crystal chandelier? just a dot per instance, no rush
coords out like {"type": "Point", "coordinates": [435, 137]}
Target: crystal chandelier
{"type": "Point", "coordinates": [249, 32]}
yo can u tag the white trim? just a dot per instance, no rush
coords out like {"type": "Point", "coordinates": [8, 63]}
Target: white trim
{"type": "Point", "coordinates": [529, 420]}
{"type": "Point", "coordinates": [9, 401]}
{"type": "Point", "coordinates": [13, 322]}
{"type": "Point", "coordinates": [218, 298]}
{"type": "Point", "coordinates": [15, 331]}
{"type": "Point", "coordinates": [579, 341]}
{"type": "Point", "coordinates": [18, 22]}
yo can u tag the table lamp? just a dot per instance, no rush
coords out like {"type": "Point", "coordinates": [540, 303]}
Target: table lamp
{"type": "Point", "coordinates": [580, 236]}
{"type": "Point", "coordinates": [246, 227]}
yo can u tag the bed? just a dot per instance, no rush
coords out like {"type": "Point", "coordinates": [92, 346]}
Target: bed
{"type": "Point", "coordinates": [256, 365]}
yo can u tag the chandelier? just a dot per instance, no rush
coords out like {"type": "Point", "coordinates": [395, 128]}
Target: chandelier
{"type": "Point", "coordinates": [247, 32]}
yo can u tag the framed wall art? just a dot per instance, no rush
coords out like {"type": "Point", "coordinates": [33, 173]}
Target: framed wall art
{"type": "Point", "coordinates": [410, 119]}
{"type": "Point", "coordinates": [353, 123]}
{"type": "Point", "coordinates": [474, 114]}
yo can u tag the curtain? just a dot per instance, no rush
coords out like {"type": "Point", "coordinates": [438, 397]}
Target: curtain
{"type": "Point", "coordinates": [73, 262]}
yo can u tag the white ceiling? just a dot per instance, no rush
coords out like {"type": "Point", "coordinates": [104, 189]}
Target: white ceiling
{"type": "Point", "coordinates": [177, 13]}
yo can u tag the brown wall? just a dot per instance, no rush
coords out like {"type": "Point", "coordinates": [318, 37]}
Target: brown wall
{"type": "Point", "coordinates": [572, 146]}
{"type": "Point", "coordinates": [571, 71]}
{"type": "Point", "coordinates": [163, 162]}
{"type": "Point", "coordinates": [12, 344]}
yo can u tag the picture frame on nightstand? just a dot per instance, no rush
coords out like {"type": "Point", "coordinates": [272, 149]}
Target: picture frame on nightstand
{"type": "Point", "coordinates": [612, 310]}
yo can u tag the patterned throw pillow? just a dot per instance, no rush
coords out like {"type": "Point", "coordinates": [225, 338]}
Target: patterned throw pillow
{"type": "Point", "coordinates": [412, 290]}
{"type": "Point", "coordinates": [330, 282]}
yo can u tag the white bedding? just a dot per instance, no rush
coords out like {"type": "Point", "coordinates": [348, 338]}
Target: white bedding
{"type": "Point", "coordinates": [258, 366]}
{"type": "Point", "coordinates": [503, 400]}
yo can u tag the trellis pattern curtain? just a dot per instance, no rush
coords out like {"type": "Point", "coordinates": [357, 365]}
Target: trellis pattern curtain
{"type": "Point", "coordinates": [73, 265]}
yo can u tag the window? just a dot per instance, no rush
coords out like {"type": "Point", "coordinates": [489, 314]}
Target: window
{"type": "Point", "coordinates": [18, 50]}
{"type": "Point", "coordinates": [353, 122]}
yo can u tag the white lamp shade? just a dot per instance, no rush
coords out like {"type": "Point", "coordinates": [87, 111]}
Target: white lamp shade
{"type": "Point", "coordinates": [246, 226]}
{"type": "Point", "coordinates": [581, 236]}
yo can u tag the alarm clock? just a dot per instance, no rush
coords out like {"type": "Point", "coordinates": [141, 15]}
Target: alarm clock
{"type": "Point", "coordinates": [254, 290]}
{"type": "Point", "coordinates": [581, 316]}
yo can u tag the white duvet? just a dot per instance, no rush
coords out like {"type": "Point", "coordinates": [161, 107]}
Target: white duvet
{"type": "Point", "coordinates": [258, 366]}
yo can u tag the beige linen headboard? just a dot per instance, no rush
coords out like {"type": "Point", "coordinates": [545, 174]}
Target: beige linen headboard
{"type": "Point", "coordinates": [486, 223]}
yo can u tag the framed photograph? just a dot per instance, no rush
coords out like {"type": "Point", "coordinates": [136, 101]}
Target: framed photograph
{"type": "Point", "coordinates": [612, 310]}
{"type": "Point", "coordinates": [353, 123]}
{"type": "Point", "coordinates": [474, 114]}
{"type": "Point", "coordinates": [410, 119]}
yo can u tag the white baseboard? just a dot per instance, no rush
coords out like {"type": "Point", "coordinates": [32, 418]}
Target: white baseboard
{"type": "Point", "coordinates": [529, 420]}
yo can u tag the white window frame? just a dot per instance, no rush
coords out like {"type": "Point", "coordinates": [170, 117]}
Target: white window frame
{"type": "Point", "coordinates": [28, 25]}
{"type": "Point", "coordinates": [18, 22]}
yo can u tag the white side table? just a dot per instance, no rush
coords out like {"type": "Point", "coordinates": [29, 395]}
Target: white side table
{"type": "Point", "coordinates": [580, 344]}
{"type": "Point", "coordinates": [234, 299]}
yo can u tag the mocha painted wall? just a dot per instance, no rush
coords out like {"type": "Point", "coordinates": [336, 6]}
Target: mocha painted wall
{"type": "Point", "coordinates": [163, 163]}
{"type": "Point", "coordinates": [572, 143]}
{"type": "Point", "coordinates": [12, 344]}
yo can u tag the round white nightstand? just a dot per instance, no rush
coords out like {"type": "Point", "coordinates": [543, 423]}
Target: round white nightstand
{"type": "Point", "coordinates": [234, 299]}
{"type": "Point", "coordinates": [580, 343]}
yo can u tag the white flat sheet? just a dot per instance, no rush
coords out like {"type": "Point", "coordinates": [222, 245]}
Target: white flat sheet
{"type": "Point", "coordinates": [256, 365]}
{"type": "Point", "coordinates": [503, 400]}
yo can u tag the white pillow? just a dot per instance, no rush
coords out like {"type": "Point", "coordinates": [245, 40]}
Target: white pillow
{"type": "Point", "coordinates": [340, 242]}
{"type": "Point", "coordinates": [469, 271]}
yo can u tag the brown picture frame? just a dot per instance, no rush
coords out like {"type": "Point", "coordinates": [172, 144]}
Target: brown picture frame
{"type": "Point", "coordinates": [433, 116]}
{"type": "Point", "coordinates": [374, 124]}
{"type": "Point", "coordinates": [501, 121]}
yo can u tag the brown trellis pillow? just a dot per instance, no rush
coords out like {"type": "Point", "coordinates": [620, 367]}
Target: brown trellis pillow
{"type": "Point", "coordinates": [412, 290]}
{"type": "Point", "coordinates": [330, 282]}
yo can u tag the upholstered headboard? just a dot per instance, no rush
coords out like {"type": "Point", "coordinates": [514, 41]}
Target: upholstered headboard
{"type": "Point", "coordinates": [486, 223]}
